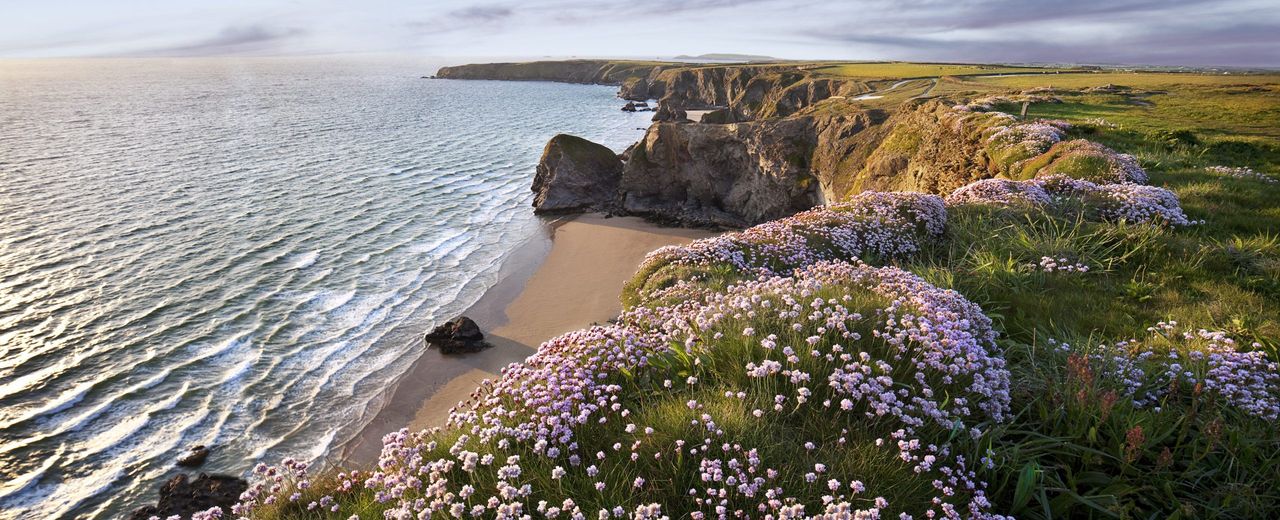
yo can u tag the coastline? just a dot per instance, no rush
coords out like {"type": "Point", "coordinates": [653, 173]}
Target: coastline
{"type": "Point", "coordinates": [552, 284]}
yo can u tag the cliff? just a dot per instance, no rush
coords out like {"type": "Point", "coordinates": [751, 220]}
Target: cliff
{"type": "Point", "coordinates": [750, 91]}
{"type": "Point", "coordinates": [601, 72]}
{"type": "Point", "coordinates": [781, 139]}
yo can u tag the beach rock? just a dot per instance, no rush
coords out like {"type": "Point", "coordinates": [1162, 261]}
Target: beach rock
{"type": "Point", "coordinates": [670, 112]}
{"type": "Point", "coordinates": [459, 336]}
{"type": "Point", "coordinates": [629, 107]}
{"type": "Point", "coordinates": [195, 457]}
{"type": "Point", "coordinates": [183, 496]}
{"type": "Point", "coordinates": [575, 175]}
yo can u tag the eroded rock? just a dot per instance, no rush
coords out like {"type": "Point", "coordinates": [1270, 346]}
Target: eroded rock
{"type": "Point", "coordinates": [182, 496]}
{"type": "Point", "coordinates": [575, 175]}
{"type": "Point", "coordinates": [195, 457]}
{"type": "Point", "coordinates": [459, 336]}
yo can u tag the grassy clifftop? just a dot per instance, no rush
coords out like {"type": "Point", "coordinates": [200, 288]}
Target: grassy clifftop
{"type": "Point", "coordinates": [605, 72]}
{"type": "Point", "coordinates": [1086, 334]}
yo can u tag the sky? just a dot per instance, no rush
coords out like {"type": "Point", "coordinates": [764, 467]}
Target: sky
{"type": "Point", "coordinates": [1154, 32]}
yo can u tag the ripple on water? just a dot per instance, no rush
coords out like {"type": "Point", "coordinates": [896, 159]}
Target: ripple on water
{"type": "Point", "coordinates": [241, 253]}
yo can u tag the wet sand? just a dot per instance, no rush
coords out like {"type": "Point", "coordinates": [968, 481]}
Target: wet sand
{"type": "Point", "coordinates": [548, 288]}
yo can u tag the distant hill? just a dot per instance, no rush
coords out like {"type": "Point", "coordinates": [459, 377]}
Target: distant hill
{"type": "Point", "coordinates": [726, 57]}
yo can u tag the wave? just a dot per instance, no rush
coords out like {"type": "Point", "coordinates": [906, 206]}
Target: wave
{"type": "Point", "coordinates": [304, 260]}
{"type": "Point", "coordinates": [247, 281]}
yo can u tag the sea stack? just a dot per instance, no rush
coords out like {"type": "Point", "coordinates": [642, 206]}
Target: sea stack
{"type": "Point", "coordinates": [575, 175]}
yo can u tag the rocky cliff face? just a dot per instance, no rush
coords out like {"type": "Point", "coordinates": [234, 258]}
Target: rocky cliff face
{"type": "Point", "coordinates": [749, 91]}
{"type": "Point", "coordinates": [601, 72]}
{"type": "Point", "coordinates": [730, 175]}
{"type": "Point", "coordinates": [926, 147]}
{"type": "Point", "coordinates": [718, 175]}
{"type": "Point", "coordinates": [783, 142]}
{"type": "Point", "coordinates": [575, 174]}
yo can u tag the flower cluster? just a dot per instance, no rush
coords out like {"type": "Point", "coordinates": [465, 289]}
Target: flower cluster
{"type": "Point", "coordinates": [1088, 160]}
{"type": "Point", "coordinates": [1002, 192]}
{"type": "Point", "coordinates": [1242, 172]}
{"type": "Point", "coordinates": [879, 224]}
{"type": "Point", "coordinates": [1112, 202]}
{"type": "Point", "coordinates": [1101, 123]}
{"type": "Point", "coordinates": [989, 103]}
{"type": "Point", "coordinates": [1049, 264]}
{"type": "Point", "coordinates": [1136, 203]}
{"type": "Point", "coordinates": [1151, 369]}
{"type": "Point", "coordinates": [875, 347]}
{"type": "Point", "coordinates": [1014, 143]}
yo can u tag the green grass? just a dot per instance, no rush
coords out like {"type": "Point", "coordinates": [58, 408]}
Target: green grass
{"type": "Point", "coordinates": [1077, 80]}
{"type": "Point", "coordinates": [1065, 456]}
{"type": "Point", "coordinates": [916, 70]}
{"type": "Point", "coordinates": [1073, 450]}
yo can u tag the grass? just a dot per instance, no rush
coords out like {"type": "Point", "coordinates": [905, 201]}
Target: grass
{"type": "Point", "coordinates": [1078, 80]}
{"type": "Point", "coordinates": [901, 70]}
{"type": "Point", "coordinates": [1073, 448]}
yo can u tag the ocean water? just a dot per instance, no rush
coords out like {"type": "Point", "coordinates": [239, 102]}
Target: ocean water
{"type": "Point", "coordinates": [241, 253]}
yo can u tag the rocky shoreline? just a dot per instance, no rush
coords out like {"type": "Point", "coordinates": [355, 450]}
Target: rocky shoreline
{"type": "Point", "coordinates": [775, 139]}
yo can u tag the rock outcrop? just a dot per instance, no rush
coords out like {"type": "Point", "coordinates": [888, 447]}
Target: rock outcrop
{"type": "Point", "coordinates": [716, 175]}
{"type": "Point", "coordinates": [753, 91]}
{"type": "Point", "coordinates": [195, 457]}
{"type": "Point", "coordinates": [778, 139]}
{"type": "Point", "coordinates": [600, 72]}
{"type": "Point", "coordinates": [183, 497]}
{"type": "Point", "coordinates": [575, 175]}
{"type": "Point", "coordinates": [748, 91]}
{"type": "Point", "coordinates": [459, 336]}
{"type": "Point", "coordinates": [721, 175]}
{"type": "Point", "coordinates": [670, 113]}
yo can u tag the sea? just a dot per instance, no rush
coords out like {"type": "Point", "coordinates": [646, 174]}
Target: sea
{"type": "Point", "coordinates": [242, 253]}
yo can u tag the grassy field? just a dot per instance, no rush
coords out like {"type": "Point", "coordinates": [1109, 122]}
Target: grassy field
{"type": "Point", "coordinates": [1133, 79]}
{"type": "Point", "coordinates": [914, 70]}
{"type": "Point", "coordinates": [1210, 105]}
{"type": "Point", "coordinates": [1095, 425]}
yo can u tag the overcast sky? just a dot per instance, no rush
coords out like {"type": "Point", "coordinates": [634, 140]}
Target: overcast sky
{"type": "Point", "coordinates": [1167, 32]}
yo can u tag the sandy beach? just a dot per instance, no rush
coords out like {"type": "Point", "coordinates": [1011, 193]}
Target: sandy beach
{"type": "Point", "coordinates": [547, 289]}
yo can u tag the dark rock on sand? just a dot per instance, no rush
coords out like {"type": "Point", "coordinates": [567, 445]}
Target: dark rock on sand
{"type": "Point", "coordinates": [575, 175]}
{"type": "Point", "coordinates": [183, 496]}
{"type": "Point", "coordinates": [461, 335]}
{"type": "Point", "coordinates": [195, 457]}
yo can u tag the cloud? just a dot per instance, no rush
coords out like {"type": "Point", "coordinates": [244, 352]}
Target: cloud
{"type": "Point", "coordinates": [232, 40]}
{"type": "Point", "coordinates": [1193, 32]}
{"type": "Point", "coordinates": [1173, 32]}
{"type": "Point", "coordinates": [482, 14]}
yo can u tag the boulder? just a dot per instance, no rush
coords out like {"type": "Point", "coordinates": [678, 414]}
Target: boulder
{"type": "Point", "coordinates": [183, 497]}
{"type": "Point", "coordinates": [670, 112]}
{"type": "Point", "coordinates": [195, 457]}
{"type": "Point", "coordinates": [575, 175]}
{"type": "Point", "coordinates": [629, 107]}
{"type": "Point", "coordinates": [459, 336]}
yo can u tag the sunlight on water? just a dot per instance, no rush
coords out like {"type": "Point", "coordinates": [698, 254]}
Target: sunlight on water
{"type": "Point", "coordinates": [240, 253]}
